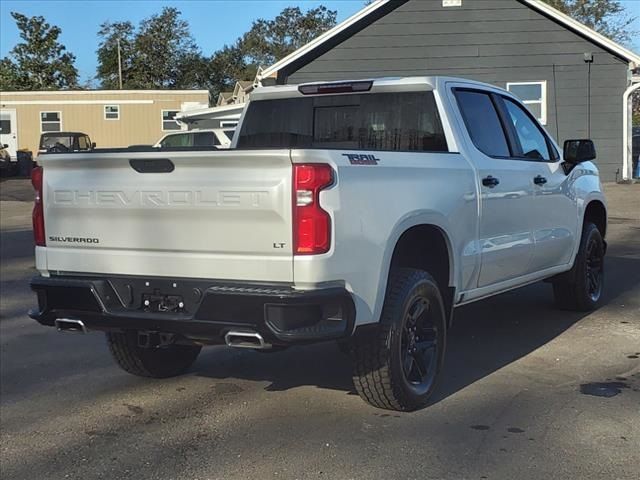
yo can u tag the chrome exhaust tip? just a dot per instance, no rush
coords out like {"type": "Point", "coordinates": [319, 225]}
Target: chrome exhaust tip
{"type": "Point", "coordinates": [69, 325]}
{"type": "Point", "coordinates": [240, 339]}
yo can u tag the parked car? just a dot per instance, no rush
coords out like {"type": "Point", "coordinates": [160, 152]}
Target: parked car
{"type": "Point", "coordinates": [363, 212]}
{"type": "Point", "coordinates": [8, 164]}
{"type": "Point", "coordinates": [63, 142]}
{"type": "Point", "coordinates": [217, 137]}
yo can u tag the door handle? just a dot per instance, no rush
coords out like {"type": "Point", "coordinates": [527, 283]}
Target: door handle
{"type": "Point", "coordinates": [539, 180]}
{"type": "Point", "coordinates": [490, 181]}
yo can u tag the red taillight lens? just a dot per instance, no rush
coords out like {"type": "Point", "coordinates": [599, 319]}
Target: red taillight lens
{"type": "Point", "coordinates": [38, 209]}
{"type": "Point", "coordinates": [311, 224]}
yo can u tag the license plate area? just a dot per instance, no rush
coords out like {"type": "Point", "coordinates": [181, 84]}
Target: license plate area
{"type": "Point", "coordinates": [158, 302]}
{"type": "Point", "coordinates": [157, 295]}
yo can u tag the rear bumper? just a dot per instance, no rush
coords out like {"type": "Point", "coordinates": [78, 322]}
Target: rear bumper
{"type": "Point", "coordinates": [209, 310]}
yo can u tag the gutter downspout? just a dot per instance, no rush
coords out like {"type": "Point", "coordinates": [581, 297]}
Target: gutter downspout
{"type": "Point", "coordinates": [627, 165]}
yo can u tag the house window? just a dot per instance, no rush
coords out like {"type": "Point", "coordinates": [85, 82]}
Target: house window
{"type": "Point", "coordinates": [112, 112]}
{"type": "Point", "coordinates": [50, 121]}
{"type": "Point", "coordinates": [168, 120]}
{"type": "Point", "coordinates": [533, 95]}
{"type": "Point", "coordinates": [5, 123]}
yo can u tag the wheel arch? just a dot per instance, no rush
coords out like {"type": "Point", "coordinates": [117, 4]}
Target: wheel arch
{"type": "Point", "coordinates": [422, 242]}
{"type": "Point", "coordinates": [595, 212]}
{"type": "Point", "coordinates": [425, 247]}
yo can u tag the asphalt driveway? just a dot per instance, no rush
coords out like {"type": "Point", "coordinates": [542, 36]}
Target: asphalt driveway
{"type": "Point", "coordinates": [528, 392]}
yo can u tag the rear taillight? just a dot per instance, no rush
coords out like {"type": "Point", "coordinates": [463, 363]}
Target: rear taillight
{"type": "Point", "coordinates": [38, 209]}
{"type": "Point", "coordinates": [311, 224]}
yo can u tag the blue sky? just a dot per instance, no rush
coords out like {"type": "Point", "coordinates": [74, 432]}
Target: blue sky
{"type": "Point", "coordinates": [213, 23]}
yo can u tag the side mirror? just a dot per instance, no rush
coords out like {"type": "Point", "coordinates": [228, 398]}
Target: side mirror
{"type": "Point", "coordinates": [93, 145]}
{"type": "Point", "coordinates": [576, 151]}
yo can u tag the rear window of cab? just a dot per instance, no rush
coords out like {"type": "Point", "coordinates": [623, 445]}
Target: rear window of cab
{"type": "Point", "coordinates": [405, 121]}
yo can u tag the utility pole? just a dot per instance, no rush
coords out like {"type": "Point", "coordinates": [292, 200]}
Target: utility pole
{"type": "Point", "coordinates": [119, 64]}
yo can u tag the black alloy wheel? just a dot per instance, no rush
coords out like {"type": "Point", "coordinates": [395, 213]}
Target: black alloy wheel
{"type": "Point", "coordinates": [397, 362]}
{"type": "Point", "coordinates": [594, 270]}
{"type": "Point", "coordinates": [581, 288]}
{"type": "Point", "coordinates": [419, 347]}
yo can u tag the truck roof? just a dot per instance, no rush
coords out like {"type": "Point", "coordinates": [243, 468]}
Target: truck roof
{"type": "Point", "coordinates": [58, 134]}
{"type": "Point", "coordinates": [382, 84]}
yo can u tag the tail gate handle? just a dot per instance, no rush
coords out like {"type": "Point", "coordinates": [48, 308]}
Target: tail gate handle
{"type": "Point", "coordinates": [152, 165]}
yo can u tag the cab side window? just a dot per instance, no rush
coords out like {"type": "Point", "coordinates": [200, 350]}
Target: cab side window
{"type": "Point", "coordinates": [83, 143]}
{"type": "Point", "coordinates": [482, 121]}
{"type": "Point", "coordinates": [531, 143]}
{"type": "Point", "coordinates": [204, 139]}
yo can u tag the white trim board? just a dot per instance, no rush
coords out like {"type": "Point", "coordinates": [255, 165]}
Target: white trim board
{"type": "Point", "coordinates": [109, 92]}
{"type": "Point", "coordinates": [76, 102]}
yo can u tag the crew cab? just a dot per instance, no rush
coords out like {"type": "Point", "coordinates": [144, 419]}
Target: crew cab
{"type": "Point", "coordinates": [363, 212]}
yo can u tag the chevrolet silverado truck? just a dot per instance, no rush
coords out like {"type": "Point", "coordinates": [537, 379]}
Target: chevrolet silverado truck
{"type": "Point", "coordinates": [363, 212]}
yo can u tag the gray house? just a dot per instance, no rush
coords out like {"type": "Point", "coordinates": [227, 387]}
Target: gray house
{"type": "Point", "coordinates": [575, 81]}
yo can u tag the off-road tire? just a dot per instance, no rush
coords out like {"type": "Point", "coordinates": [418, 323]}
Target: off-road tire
{"type": "Point", "coordinates": [571, 290]}
{"type": "Point", "coordinates": [161, 362]}
{"type": "Point", "coordinates": [378, 375]}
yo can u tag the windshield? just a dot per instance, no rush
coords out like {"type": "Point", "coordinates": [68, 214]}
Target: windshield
{"type": "Point", "coordinates": [406, 121]}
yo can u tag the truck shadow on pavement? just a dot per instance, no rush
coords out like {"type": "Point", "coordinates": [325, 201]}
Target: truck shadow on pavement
{"type": "Point", "coordinates": [16, 244]}
{"type": "Point", "coordinates": [485, 337]}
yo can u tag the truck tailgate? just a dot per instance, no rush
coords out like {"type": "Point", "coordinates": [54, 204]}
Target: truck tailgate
{"type": "Point", "coordinates": [216, 215]}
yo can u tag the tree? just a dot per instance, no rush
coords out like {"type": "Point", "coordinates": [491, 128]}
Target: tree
{"type": "Point", "coordinates": [267, 42]}
{"type": "Point", "coordinates": [9, 78]}
{"type": "Point", "coordinates": [608, 17]}
{"type": "Point", "coordinates": [160, 53]}
{"type": "Point", "coordinates": [162, 46]}
{"type": "Point", "coordinates": [226, 66]}
{"type": "Point", "coordinates": [270, 40]}
{"type": "Point", "coordinates": [114, 35]}
{"type": "Point", "coordinates": [40, 62]}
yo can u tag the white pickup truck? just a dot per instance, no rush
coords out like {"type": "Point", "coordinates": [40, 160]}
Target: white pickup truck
{"type": "Point", "coordinates": [206, 137]}
{"type": "Point", "coordinates": [361, 211]}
